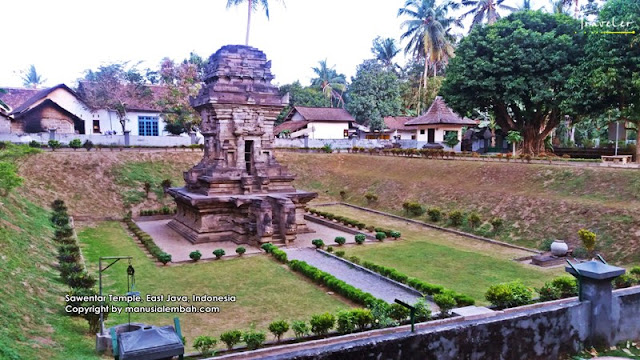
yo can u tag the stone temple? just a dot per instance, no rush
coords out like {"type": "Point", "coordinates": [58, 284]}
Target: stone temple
{"type": "Point", "coordinates": [238, 191]}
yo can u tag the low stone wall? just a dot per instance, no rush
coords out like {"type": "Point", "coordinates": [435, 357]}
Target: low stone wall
{"type": "Point", "coordinates": [335, 143]}
{"type": "Point", "coordinates": [626, 313]}
{"type": "Point", "coordinates": [134, 140]}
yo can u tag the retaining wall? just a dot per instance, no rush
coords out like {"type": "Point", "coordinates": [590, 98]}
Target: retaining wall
{"type": "Point", "coordinates": [134, 140]}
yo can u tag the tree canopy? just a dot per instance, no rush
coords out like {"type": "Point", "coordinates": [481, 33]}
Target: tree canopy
{"type": "Point", "coordinates": [373, 94]}
{"type": "Point", "coordinates": [300, 96]}
{"type": "Point", "coordinates": [182, 81]}
{"type": "Point", "coordinates": [31, 78]}
{"type": "Point", "coordinates": [519, 69]}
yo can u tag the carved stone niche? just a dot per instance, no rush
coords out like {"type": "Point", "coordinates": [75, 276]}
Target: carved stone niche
{"type": "Point", "coordinates": [239, 191]}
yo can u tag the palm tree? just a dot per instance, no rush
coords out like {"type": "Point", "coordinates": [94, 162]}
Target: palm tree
{"type": "Point", "coordinates": [428, 29]}
{"type": "Point", "coordinates": [329, 81]}
{"type": "Point", "coordinates": [385, 50]}
{"type": "Point", "coordinates": [252, 6]}
{"type": "Point", "coordinates": [31, 78]}
{"type": "Point", "coordinates": [484, 9]}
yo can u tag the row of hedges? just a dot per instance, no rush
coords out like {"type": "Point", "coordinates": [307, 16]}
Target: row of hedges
{"type": "Point", "coordinates": [71, 267]}
{"type": "Point", "coordinates": [88, 145]}
{"type": "Point", "coordinates": [423, 287]}
{"type": "Point", "coordinates": [148, 242]}
{"type": "Point", "coordinates": [278, 254]}
{"type": "Point", "coordinates": [342, 219]}
{"type": "Point", "coordinates": [165, 210]}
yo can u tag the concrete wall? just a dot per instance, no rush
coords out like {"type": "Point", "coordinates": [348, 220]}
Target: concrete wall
{"type": "Point", "coordinates": [626, 313]}
{"type": "Point", "coordinates": [327, 130]}
{"type": "Point", "coordinates": [335, 143]}
{"type": "Point", "coordinates": [101, 139]}
{"type": "Point", "coordinates": [439, 134]}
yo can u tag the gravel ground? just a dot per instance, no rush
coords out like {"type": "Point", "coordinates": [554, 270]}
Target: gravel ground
{"type": "Point", "coordinates": [362, 280]}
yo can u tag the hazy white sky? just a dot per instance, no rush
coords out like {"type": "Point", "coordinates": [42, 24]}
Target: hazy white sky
{"type": "Point", "coordinates": [65, 37]}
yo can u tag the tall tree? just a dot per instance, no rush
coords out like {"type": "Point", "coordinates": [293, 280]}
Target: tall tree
{"type": "Point", "coordinates": [113, 87]}
{"type": "Point", "coordinates": [31, 78]}
{"type": "Point", "coordinates": [427, 29]}
{"type": "Point", "coordinates": [613, 65]}
{"type": "Point", "coordinates": [252, 5]}
{"type": "Point", "coordinates": [484, 10]}
{"type": "Point", "coordinates": [330, 82]}
{"type": "Point", "coordinates": [181, 81]}
{"type": "Point", "coordinates": [385, 50]}
{"type": "Point", "coordinates": [300, 96]}
{"type": "Point", "coordinates": [373, 94]}
{"type": "Point", "coordinates": [520, 69]}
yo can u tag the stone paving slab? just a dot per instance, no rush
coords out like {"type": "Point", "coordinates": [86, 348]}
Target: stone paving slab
{"type": "Point", "coordinates": [364, 281]}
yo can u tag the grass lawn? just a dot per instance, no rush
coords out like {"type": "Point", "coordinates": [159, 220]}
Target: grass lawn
{"type": "Point", "coordinates": [133, 175]}
{"type": "Point", "coordinates": [461, 264]}
{"type": "Point", "coordinates": [265, 290]}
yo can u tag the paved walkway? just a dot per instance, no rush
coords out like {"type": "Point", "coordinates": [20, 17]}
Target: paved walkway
{"type": "Point", "coordinates": [362, 280]}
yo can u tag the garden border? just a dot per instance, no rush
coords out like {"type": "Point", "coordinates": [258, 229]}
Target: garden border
{"type": "Point", "coordinates": [418, 222]}
{"type": "Point", "coordinates": [337, 226]}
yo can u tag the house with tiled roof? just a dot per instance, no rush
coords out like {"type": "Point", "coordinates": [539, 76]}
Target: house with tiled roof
{"type": "Point", "coordinates": [61, 108]}
{"type": "Point", "coordinates": [439, 120]}
{"type": "Point", "coordinates": [317, 123]}
{"type": "Point", "coordinates": [397, 130]}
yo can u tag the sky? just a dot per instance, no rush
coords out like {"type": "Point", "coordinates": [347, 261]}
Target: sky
{"type": "Point", "coordinates": [64, 38]}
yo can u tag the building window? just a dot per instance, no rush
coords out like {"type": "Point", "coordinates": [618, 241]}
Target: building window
{"type": "Point", "coordinates": [148, 126]}
{"type": "Point", "coordinates": [96, 126]}
{"type": "Point", "coordinates": [421, 131]}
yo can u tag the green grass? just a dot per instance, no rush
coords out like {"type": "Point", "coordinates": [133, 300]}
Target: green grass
{"type": "Point", "coordinates": [461, 264]}
{"type": "Point", "coordinates": [133, 175]}
{"type": "Point", "coordinates": [31, 305]}
{"type": "Point", "coordinates": [265, 290]}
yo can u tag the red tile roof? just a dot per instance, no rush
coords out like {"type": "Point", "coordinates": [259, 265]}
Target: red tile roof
{"type": "Point", "coordinates": [38, 95]}
{"type": "Point", "coordinates": [17, 96]}
{"type": "Point", "coordinates": [321, 114]}
{"type": "Point", "coordinates": [440, 113]}
{"type": "Point", "coordinates": [292, 126]}
{"type": "Point", "coordinates": [398, 123]}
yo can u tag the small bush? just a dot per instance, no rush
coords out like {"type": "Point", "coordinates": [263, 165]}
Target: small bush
{"type": "Point", "coordinates": [231, 338]}
{"type": "Point", "coordinates": [580, 253]}
{"type": "Point", "coordinates": [88, 145]}
{"type": "Point", "coordinates": [60, 219]}
{"type": "Point", "coordinates": [496, 223]}
{"type": "Point", "coordinates": [362, 318]}
{"type": "Point", "coordinates": [344, 322]}
{"type": "Point", "coordinates": [300, 328]}
{"type": "Point", "coordinates": [240, 250]}
{"type": "Point", "coordinates": [318, 243]}
{"type": "Point", "coordinates": [509, 295]}
{"type": "Point", "coordinates": [322, 323]}
{"type": "Point", "coordinates": [75, 144]}
{"type": "Point", "coordinates": [254, 339]}
{"type": "Point", "coordinates": [567, 285]}
{"type": "Point", "coordinates": [343, 195]}
{"type": "Point", "coordinates": [354, 259]}
{"type": "Point", "coordinates": [63, 232]}
{"type": "Point", "coordinates": [455, 218]}
{"type": "Point", "coordinates": [340, 253]}
{"type": "Point", "coordinates": [219, 253]}
{"type": "Point", "coordinates": [54, 144]}
{"type": "Point", "coordinates": [548, 292]}
{"type": "Point", "coordinates": [164, 258]}
{"type": "Point", "coordinates": [340, 240]}
{"type": "Point", "coordinates": [81, 280]}
{"type": "Point", "coordinates": [395, 234]}
{"type": "Point", "coordinates": [267, 247]}
{"type": "Point", "coordinates": [445, 302]}
{"type": "Point", "coordinates": [195, 255]}
{"type": "Point", "coordinates": [278, 328]}
{"type": "Point", "coordinates": [413, 208]}
{"type": "Point", "coordinates": [474, 220]}
{"type": "Point", "coordinates": [624, 281]}
{"type": "Point", "coordinates": [370, 228]}
{"type": "Point", "coordinates": [279, 255]}
{"type": "Point", "coordinates": [360, 238]}
{"type": "Point", "coordinates": [435, 214]}
{"type": "Point", "coordinates": [422, 313]}
{"type": "Point", "coordinates": [34, 144]}
{"type": "Point", "coordinates": [380, 236]}
{"type": "Point", "coordinates": [330, 249]}
{"type": "Point", "coordinates": [635, 271]}
{"type": "Point", "coordinates": [588, 239]}
{"type": "Point", "coordinates": [545, 245]}
{"type": "Point", "coordinates": [205, 344]}
{"type": "Point", "coordinates": [398, 312]}
{"type": "Point", "coordinates": [371, 198]}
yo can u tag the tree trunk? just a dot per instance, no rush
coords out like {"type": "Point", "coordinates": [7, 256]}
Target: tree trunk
{"type": "Point", "coordinates": [533, 143]}
{"type": "Point", "coordinates": [514, 149]}
{"type": "Point", "coordinates": [424, 77]}
{"type": "Point", "coordinates": [248, 21]}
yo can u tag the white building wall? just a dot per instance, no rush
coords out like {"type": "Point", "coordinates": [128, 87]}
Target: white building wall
{"type": "Point", "coordinates": [327, 130]}
{"type": "Point", "coordinates": [439, 134]}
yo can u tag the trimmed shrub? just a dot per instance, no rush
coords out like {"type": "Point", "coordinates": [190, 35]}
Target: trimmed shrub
{"type": "Point", "coordinates": [588, 239]}
{"type": "Point", "coordinates": [81, 280]}
{"type": "Point", "coordinates": [219, 253]}
{"type": "Point", "coordinates": [362, 318]}
{"type": "Point", "coordinates": [344, 322]}
{"type": "Point", "coordinates": [580, 253]}
{"type": "Point", "coordinates": [254, 339]}
{"type": "Point", "coordinates": [370, 228]}
{"type": "Point", "coordinates": [195, 255]}
{"type": "Point", "coordinates": [545, 245]}
{"type": "Point", "coordinates": [34, 144]}
{"type": "Point", "coordinates": [496, 223]}
{"type": "Point", "coordinates": [509, 295]}
{"type": "Point", "coordinates": [422, 313]}
{"type": "Point", "coordinates": [474, 220]}
{"type": "Point", "coordinates": [445, 302]}
{"type": "Point", "coordinates": [455, 218]}
{"type": "Point", "coordinates": [60, 219]}
{"type": "Point", "coordinates": [343, 195]}
{"type": "Point", "coordinates": [567, 285]}
{"type": "Point", "coordinates": [58, 205]}
{"type": "Point", "coordinates": [54, 144]}
{"type": "Point", "coordinates": [635, 271]}
{"type": "Point", "coordinates": [360, 238]}
{"type": "Point", "coordinates": [340, 240]}
{"type": "Point", "coordinates": [63, 232]}
{"type": "Point", "coordinates": [371, 198]}
{"type": "Point", "coordinates": [395, 234]}
{"type": "Point", "coordinates": [75, 144]}
{"type": "Point", "coordinates": [279, 255]}
{"type": "Point", "coordinates": [205, 344]}
{"type": "Point", "coordinates": [330, 249]}
{"type": "Point", "coordinates": [398, 312]}
{"type": "Point", "coordinates": [267, 247]}
{"type": "Point", "coordinates": [88, 145]}
{"type": "Point", "coordinates": [231, 338]}
{"type": "Point", "coordinates": [435, 214]}
{"type": "Point", "coordinates": [354, 259]}
{"type": "Point", "coordinates": [240, 250]}
{"type": "Point", "coordinates": [623, 281]}
{"type": "Point", "coordinates": [300, 328]}
{"type": "Point", "coordinates": [380, 236]}
{"type": "Point", "coordinates": [322, 323]}
{"type": "Point", "coordinates": [413, 208]}
{"type": "Point", "coordinates": [278, 328]}
{"type": "Point", "coordinates": [549, 292]}
{"type": "Point", "coordinates": [164, 258]}
{"type": "Point", "coordinates": [318, 243]}
{"type": "Point", "coordinates": [340, 253]}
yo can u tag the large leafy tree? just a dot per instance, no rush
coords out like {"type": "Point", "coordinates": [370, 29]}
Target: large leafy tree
{"type": "Point", "coordinates": [300, 96]}
{"type": "Point", "coordinates": [113, 87]}
{"type": "Point", "coordinates": [484, 11]}
{"type": "Point", "coordinates": [252, 5]}
{"type": "Point", "coordinates": [427, 29]}
{"type": "Point", "coordinates": [613, 65]}
{"type": "Point", "coordinates": [180, 81]}
{"type": "Point", "coordinates": [519, 69]}
{"type": "Point", "coordinates": [373, 94]}
{"type": "Point", "coordinates": [31, 78]}
{"type": "Point", "coordinates": [330, 82]}
{"type": "Point", "coordinates": [385, 49]}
